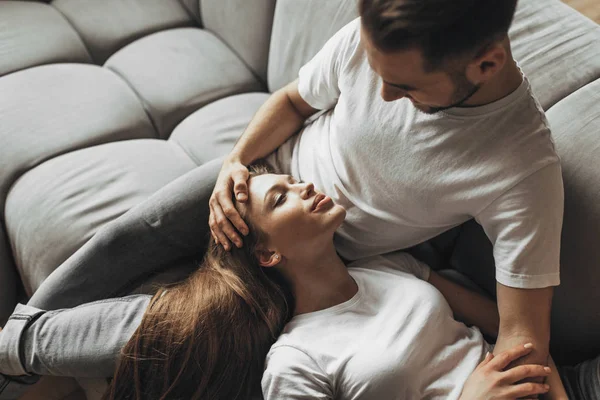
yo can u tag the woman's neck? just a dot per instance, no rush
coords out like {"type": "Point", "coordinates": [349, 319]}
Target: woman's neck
{"type": "Point", "coordinates": [320, 281]}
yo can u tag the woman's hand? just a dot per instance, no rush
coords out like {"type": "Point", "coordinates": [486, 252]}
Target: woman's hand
{"type": "Point", "coordinates": [490, 381]}
{"type": "Point", "coordinates": [224, 218]}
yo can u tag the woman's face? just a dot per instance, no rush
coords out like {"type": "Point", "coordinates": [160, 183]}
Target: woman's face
{"type": "Point", "coordinates": [291, 214]}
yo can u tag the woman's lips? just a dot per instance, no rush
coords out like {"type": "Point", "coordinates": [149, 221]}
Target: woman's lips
{"type": "Point", "coordinates": [321, 202]}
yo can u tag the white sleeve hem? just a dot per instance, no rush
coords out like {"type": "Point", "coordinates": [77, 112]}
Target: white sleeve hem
{"type": "Point", "coordinates": [522, 281]}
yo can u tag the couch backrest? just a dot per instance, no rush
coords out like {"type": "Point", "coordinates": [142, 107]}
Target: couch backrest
{"type": "Point", "coordinates": [244, 25]}
{"type": "Point", "coordinates": [300, 29]}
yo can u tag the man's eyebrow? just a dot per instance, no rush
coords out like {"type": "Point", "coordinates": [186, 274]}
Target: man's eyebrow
{"type": "Point", "coordinates": [401, 86]}
{"type": "Point", "coordinates": [276, 187]}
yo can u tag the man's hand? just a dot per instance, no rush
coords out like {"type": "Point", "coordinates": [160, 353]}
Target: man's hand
{"type": "Point", "coordinates": [492, 380]}
{"type": "Point", "coordinates": [224, 218]}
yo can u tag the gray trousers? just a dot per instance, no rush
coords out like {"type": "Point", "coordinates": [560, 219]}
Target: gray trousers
{"type": "Point", "coordinates": [170, 226]}
{"type": "Point", "coordinates": [167, 229]}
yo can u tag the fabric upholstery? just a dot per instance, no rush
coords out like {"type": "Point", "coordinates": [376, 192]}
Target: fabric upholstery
{"type": "Point", "coordinates": [245, 26]}
{"type": "Point", "coordinates": [213, 130]}
{"type": "Point", "coordinates": [35, 34]}
{"type": "Point", "coordinates": [55, 208]}
{"type": "Point", "coordinates": [9, 281]}
{"type": "Point", "coordinates": [300, 29]}
{"type": "Point", "coordinates": [53, 109]}
{"type": "Point", "coordinates": [108, 25]}
{"type": "Point", "coordinates": [557, 48]}
{"type": "Point", "coordinates": [575, 123]}
{"type": "Point", "coordinates": [176, 72]}
{"type": "Point", "coordinates": [193, 7]}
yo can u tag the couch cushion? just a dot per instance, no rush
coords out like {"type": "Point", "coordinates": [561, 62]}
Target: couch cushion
{"type": "Point", "coordinates": [55, 208]}
{"type": "Point", "coordinates": [193, 7]}
{"type": "Point", "coordinates": [8, 279]}
{"type": "Point", "coordinates": [176, 72]}
{"type": "Point", "coordinates": [108, 25]}
{"type": "Point", "coordinates": [558, 48]}
{"type": "Point", "coordinates": [245, 26]}
{"type": "Point", "coordinates": [213, 130]}
{"type": "Point", "coordinates": [33, 34]}
{"type": "Point", "coordinates": [292, 44]}
{"type": "Point", "coordinates": [575, 123]}
{"type": "Point", "coordinates": [53, 109]}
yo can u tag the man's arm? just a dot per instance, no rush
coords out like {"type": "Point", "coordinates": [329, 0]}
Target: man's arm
{"type": "Point", "coordinates": [282, 115]}
{"type": "Point", "coordinates": [476, 309]}
{"type": "Point", "coordinates": [524, 225]}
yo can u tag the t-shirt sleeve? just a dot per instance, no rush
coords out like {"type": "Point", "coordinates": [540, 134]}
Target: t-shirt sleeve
{"type": "Point", "coordinates": [293, 375]}
{"type": "Point", "coordinates": [318, 80]}
{"type": "Point", "coordinates": [404, 262]}
{"type": "Point", "coordinates": [524, 225]}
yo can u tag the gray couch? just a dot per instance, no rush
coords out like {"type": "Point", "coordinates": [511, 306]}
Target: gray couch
{"type": "Point", "coordinates": [104, 102]}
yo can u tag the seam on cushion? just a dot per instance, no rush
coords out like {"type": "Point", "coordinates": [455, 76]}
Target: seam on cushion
{"type": "Point", "coordinates": [68, 21]}
{"type": "Point", "coordinates": [185, 151]}
{"type": "Point", "coordinates": [196, 18]}
{"type": "Point", "coordinates": [144, 104]}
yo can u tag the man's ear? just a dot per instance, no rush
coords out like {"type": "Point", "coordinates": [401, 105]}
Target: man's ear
{"type": "Point", "coordinates": [268, 258]}
{"type": "Point", "coordinates": [487, 63]}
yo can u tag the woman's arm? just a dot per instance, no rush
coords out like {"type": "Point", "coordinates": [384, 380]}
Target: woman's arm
{"type": "Point", "coordinates": [476, 309]}
{"type": "Point", "coordinates": [84, 341]}
{"type": "Point", "coordinates": [469, 306]}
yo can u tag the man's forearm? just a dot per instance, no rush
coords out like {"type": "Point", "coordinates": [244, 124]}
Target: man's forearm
{"type": "Point", "coordinates": [282, 115]}
{"type": "Point", "coordinates": [525, 317]}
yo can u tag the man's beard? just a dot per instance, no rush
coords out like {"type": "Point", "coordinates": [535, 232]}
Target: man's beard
{"type": "Point", "coordinates": [463, 92]}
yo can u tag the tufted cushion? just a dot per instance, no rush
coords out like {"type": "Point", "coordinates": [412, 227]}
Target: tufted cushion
{"type": "Point", "coordinates": [55, 208]}
{"type": "Point", "coordinates": [34, 34]}
{"type": "Point", "coordinates": [245, 26]}
{"type": "Point", "coordinates": [213, 130]}
{"type": "Point", "coordinates": [8, 279]}
{"type": "Point", "coordinates": [175, 72]}
{"type": "Point", "coordinates": [300, 29]}
{"type": "Point", "coordinates": [108, 25]}
{"type": "Point", "coordinates": [54, 109]}
{"type": "Point", "coordinates": [556, 47]}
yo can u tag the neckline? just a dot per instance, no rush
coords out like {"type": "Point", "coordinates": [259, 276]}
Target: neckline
{"type": "Point", "coordinates": [337, 309]}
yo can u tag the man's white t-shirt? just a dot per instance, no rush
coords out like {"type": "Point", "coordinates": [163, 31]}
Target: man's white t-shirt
{"type": "Point", "coordinates": [395, 339]}
{"type": "Point", "coordinates": [405, 176]}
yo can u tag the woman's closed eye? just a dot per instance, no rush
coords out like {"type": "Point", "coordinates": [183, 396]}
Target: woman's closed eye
{"type": "Point", "coordinates": [280, 199]}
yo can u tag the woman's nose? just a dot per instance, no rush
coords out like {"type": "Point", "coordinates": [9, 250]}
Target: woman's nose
{"type": "Point", "coordinates": [308, 190]}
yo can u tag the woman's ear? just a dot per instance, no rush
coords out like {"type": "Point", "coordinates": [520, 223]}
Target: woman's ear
{"type": "Point", "coordinates": [268, 258]}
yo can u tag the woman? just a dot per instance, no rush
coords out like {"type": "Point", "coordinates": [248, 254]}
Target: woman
{"type": "Point", "coordinates": [373, 330]}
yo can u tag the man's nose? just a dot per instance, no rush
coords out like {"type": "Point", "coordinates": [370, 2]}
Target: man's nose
{"type": "Point", "coordinates": [390, 93]}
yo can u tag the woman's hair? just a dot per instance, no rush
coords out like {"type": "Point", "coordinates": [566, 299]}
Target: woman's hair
{"type": "Point", "coordinates": [207, 337]}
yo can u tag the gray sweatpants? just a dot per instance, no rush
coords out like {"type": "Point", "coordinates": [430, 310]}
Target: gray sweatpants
{"type": "Point", "coordinates": [169, 227]}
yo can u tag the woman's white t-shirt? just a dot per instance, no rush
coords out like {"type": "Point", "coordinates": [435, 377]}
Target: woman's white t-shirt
{"type": "Point", "coordinates": [395, 339]}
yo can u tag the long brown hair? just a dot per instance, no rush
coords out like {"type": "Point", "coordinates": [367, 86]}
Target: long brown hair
{"type": "Point", "coordinates": [207, 337]}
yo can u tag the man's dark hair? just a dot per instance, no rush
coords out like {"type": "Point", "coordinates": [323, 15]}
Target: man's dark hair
{"type": "Point", "coordinates": [441, 29]}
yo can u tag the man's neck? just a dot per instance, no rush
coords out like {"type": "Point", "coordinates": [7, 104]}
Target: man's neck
{"type": "Point", "coordinates": [501, 85]}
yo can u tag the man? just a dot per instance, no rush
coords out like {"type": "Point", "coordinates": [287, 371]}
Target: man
{"type": "Point", "coordinates": [427, 122]}
{"type": "Point", "coordinates": [453, 134]}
